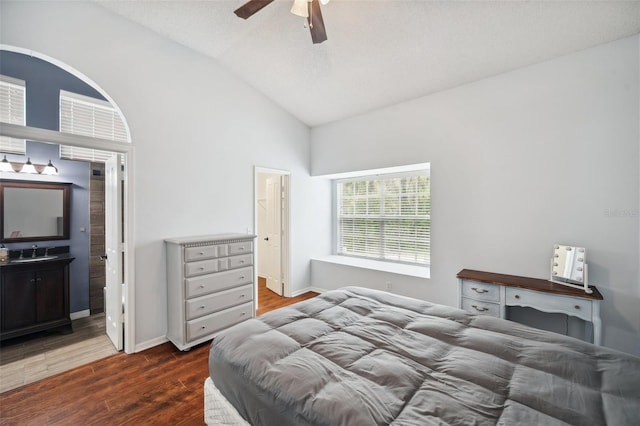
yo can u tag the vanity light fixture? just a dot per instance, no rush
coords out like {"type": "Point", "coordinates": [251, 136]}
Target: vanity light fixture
{"type": "Point", "coordinates": [28, 167]}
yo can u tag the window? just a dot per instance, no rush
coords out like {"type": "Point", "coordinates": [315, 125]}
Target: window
{"type": "Point", "coordinates": [385, 217]}
{"type": "Point", "coordinates": [12, 110]}
{"type": "Point", "coordinates": [82, 115]}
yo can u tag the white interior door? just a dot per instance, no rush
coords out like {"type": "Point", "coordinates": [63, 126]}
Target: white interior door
{"type": "Point", "coordinates": [274, 234]}
{"type": "Point", "coordinates": [113, 248]}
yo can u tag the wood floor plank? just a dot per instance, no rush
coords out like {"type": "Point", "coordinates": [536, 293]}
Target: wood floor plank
{"type": "Point", "coordinates": [159, 386]}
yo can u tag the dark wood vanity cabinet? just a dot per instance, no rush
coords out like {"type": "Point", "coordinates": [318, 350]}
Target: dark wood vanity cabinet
{"type": "Point", "coordinates": [34, 297]}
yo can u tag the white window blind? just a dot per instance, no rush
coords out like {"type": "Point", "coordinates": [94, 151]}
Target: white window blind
{"type": "Point", "coordinates": [82, 115]}
{"type": "Point", "coordinates": [386, 217]}
{"type": "Point", "coordinates": [12, 110]}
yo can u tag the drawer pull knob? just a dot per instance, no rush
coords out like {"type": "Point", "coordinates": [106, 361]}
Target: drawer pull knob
{"type": "Point", "coordinates": [203, 327]}
{"type": "Point", "coordinates": [242, 295]}
{"type": "Point", "coordinates": [240, 248]}
{"type": "Point", "coordinates": [201, 286]}
{"type": "Point", "coordinates": [242, 277]}
{"type": "Point", "coordinates": [244, 313]}
{"type": "Point", "coordinates": [201, 253]}
{"type": "Point", "coordinates": [577, 306]}
{"type": "Point", "coordinates": [201, 306]}
{"type": "Point", "coordinates": [202, 268]}
{"type": "Point", "coordinates": [242, 261]}
{"type": "Point", "coordinates": [517, 296]}
{"type": "Point", "coordinates": [482, 290]}
{"type": "Point", "coordinates": [479, 309]}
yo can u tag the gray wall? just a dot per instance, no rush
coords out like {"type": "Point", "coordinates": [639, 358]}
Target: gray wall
{"type": "Point", "coordinates": [542, 155]}
{"type": "Point", "coordinates": [43, 84]}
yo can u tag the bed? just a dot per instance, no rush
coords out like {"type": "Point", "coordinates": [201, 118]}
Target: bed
{"type": "Point", "coordinates": [357, 356]}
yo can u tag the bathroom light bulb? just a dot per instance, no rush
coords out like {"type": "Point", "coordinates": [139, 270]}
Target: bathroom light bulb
{"type": "Point", "coordinates": [50, 169]}
{"type": "Point", "coordinates": [28, 167]}
{"type": "Point", "coordinates": [5, 165]}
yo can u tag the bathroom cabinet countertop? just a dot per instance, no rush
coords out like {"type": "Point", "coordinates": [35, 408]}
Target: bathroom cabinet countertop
{"type": "Point", "coordinates": [27, 261]}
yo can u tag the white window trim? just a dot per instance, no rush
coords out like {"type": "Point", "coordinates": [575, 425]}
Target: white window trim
{"type": "Point", "coordinates": [418, 271]}
{"type": "Point", "coordinates": [12, 80]}
{"type": "Point", "coordinates": [414, 269]}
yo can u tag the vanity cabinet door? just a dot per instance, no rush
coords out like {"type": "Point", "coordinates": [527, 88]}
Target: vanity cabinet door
{"type": "Point", "coordinates": [18, 299]}
{"type": "Point", "coordinates": [51, 294]}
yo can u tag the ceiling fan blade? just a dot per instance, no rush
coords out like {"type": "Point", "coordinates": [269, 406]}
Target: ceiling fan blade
{"type": "Point", "coordinates": [251, 7]}
{"type": "Point", "coordinates": [316, 23]}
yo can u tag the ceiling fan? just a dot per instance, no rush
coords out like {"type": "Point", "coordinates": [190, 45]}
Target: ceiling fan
{"type": "Point", "coordinates": [309, 9]}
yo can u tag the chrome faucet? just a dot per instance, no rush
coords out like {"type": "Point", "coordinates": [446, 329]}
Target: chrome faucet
{"type": "Point", "coordinates": [35, 249]}
{"type": "Point", "coordinates": [46, 251]}
{"type": "Point", "coordinates": [21, 254]}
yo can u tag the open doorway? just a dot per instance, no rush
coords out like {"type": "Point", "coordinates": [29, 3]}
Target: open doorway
{"type": "Point", "coordinates": [37, 355]}
{"type": "Point", "coordinates": [272, 227]}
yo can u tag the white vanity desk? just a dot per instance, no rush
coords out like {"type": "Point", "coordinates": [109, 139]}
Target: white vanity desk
{"type": "Point", "coordinates": [489, 294]}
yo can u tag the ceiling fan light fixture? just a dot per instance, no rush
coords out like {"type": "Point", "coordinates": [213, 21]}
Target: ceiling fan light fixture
{"type": "Point", "coordinates": [300, 8]}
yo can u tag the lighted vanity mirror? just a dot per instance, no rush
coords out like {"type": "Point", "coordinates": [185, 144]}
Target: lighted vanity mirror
{"type": "Point", "coordinates": [34, 211]}
{"type": "Point", "coordinates": [569, 266]}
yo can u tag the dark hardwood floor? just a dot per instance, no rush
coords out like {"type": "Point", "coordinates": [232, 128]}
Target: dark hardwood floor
{"type": "Point", "coordinates": [159, 386]}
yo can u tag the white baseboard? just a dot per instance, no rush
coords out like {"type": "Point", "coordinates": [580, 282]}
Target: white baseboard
{"type": "Point", "coordinates": [80, 314]}
{"type": "Point", "coordinates": [307, 289]}
{"type": "Point", "coordinates": [150, 344]}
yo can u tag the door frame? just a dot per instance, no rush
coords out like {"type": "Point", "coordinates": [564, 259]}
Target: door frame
{"type": "Point", "coordinates": [285, 241]}
{"type": "Point", "coordinates": [51, 136]}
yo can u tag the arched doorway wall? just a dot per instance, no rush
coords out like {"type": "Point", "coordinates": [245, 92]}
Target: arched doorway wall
{"type": "Point", "coordinates": [127, 151]}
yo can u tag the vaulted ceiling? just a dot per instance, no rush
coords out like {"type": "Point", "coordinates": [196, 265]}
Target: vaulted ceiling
{"type": "Point", "coordinates": [380, 52]}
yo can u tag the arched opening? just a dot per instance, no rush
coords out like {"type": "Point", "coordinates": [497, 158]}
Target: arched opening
{"type": "Point", "coordinates": [46, 77]}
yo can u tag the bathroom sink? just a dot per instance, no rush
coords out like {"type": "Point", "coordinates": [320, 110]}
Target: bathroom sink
{"type": "Point", "coordinates": [33, 259]}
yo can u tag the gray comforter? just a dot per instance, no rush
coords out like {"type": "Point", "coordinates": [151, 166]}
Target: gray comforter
{"type": "Point", "coordinates": [363, 357]}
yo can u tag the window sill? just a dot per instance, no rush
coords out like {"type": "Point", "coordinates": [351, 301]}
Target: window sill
{"type": "Point", "coordinates": [376, 265]}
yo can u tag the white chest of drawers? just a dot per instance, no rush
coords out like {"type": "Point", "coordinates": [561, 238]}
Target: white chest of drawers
{"type": "Point", "coordinates": [210, 286]}
{"type": "Point", "coordinates": [488, 293]}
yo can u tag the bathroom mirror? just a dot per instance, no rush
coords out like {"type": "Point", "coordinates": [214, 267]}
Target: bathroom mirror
{"type": "Point", "coordinates": [569, 266]}
{"type": "Point", "coordinates": [34, 211]}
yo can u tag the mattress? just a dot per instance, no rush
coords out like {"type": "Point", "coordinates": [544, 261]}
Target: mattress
{"type": "Point", "coordinates": [358, 356]}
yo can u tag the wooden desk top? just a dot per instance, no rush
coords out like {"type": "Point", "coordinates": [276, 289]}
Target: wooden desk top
{"type": "Point", "coordinates": [536, 284]}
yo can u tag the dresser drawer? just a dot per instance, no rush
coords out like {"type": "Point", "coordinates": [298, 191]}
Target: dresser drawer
{"type": "Point", "coordinates": [219, 281]}
{"type": "Point", "coordinates": [200, 253]}
{"type": "Point", "coordinates": [217, 321]}
{"type": "Point", "coordinates": [481, 291]}
{"type": "Point", "coordinates": [240, 248]}
{"type": "Point", "coordinates": [482, 308]}
{"type": "Point", "coordinates": [547, 302]}
{"type": "Point", "coordinates": [240, 261]}
{"type": "Point", "coordinates": [210, 303]}
{"type": "Point", "coordinates": [200, 268]}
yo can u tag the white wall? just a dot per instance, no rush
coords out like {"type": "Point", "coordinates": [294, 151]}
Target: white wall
{"type": "Point", "coordinates": [542, 155]}
{"type": "Point", "coordinates": [197, 131]}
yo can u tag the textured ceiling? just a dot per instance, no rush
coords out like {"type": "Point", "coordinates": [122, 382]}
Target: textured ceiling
{"type": "Point", "coordinates": [380, 52]}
